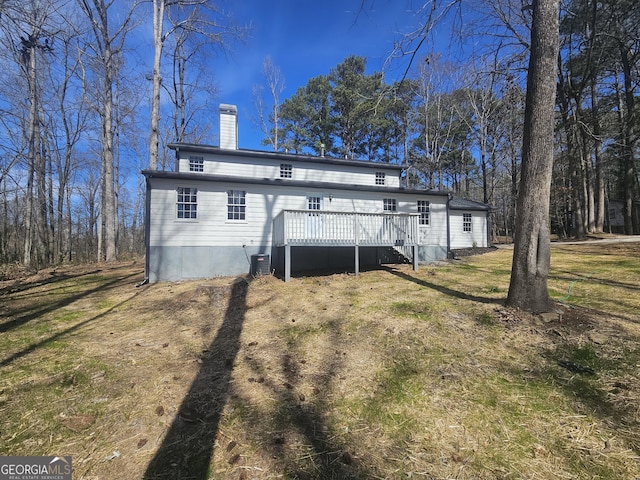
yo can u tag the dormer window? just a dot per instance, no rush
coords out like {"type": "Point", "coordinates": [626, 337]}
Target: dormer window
{"type": "Point", "coordinates": [380, 178]}
{"type": "Point", "coordinates": [286, 170]}
{"type": "Point", "coordinates": [196, 164]}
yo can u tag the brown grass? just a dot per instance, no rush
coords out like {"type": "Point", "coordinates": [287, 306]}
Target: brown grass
{"type": "Point", "coordinates": [391, 374]}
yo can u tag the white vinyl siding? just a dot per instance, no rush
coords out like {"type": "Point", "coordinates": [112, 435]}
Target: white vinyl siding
{"type": "Point", "coordinates": [263, 203]}
{"type": "Point", "coordinates": [477, 235]}
{"type": "Point", "coordinates": [300, 171]}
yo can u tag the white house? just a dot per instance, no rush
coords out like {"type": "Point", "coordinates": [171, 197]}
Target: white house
{"type": "Point", "coordinates": [225, 211]}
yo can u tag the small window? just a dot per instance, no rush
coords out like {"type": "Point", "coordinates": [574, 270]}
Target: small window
{"type": "Point", "coordinates": [286, 170]}
{"type": "Point", "coordinates": [196, 164]}
{"type": "Point", "coordinates": [314, 203]}
{"type": "Point", "coordinates": [380, 178]}
{"type": "Point", "coordinates": [423, 210]}
{"type": "Point", "coordinates": [236, 205]}
{"type": "Point", "coordinates": [466, 222]}
{"type": "Point", "coordinates": [389, 205]}
{"type": "Point", "coordinates": [187, 203]}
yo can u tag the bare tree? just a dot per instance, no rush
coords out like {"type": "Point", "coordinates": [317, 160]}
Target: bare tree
{"type": "Point", "coordinates": [269, 123]}
{"type": "Point", "coordinates": [29, 30]}
{"type": "Point", "coordinates": [531, 256]}
{"type": "Point", "coordinates": [107, 49]}
{"type": "Point", "coordinates": [435, 78]}
{"type": "Point", "coordinates": [196, 18]}
{"type": "Point", "coordinates": [191, 88]}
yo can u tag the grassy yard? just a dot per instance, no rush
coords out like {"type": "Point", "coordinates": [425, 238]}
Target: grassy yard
{"type": "Point", "coordinates": [392, 374]}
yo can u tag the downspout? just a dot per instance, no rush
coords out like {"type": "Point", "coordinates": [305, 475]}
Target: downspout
{"type": "Point", "coordinates": [489, 226]}
{"type": "Point", "coordinates": [147, 230]}
{"type": "Point", "coordinates": [449, 196]}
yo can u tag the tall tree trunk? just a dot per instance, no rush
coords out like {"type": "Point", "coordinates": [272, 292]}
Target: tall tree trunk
{"type": "Point", "coordinates": [108, 208]}
{"type": "Point", "coordinates": [531, 255]}
{"type": "Point", "coordinates": [599, 170]}
{"type": "Point", "coordinates": [587, 168]}
{"type": "Point", "coordinates": [33, 152]}
{"type": "Point", "coordinates": [41, 199]}
{"type": "Point", "coordinates": [628, 141]}
{"type": "Point", "coordinates": [158, 22]}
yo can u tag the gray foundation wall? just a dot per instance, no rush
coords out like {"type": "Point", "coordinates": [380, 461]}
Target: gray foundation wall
{"type": "Point", "coordinates": [169, 264]}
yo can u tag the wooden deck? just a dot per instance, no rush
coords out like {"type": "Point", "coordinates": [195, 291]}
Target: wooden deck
{"type": "Point", "coordinates": [345, 229]}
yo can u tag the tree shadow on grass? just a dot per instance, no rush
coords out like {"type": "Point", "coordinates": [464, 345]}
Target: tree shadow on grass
{"type": "Point", "coordinates": [187, 449]}
{"type": "Point", "coordinates": [442, 289]}
{"type": "Point", "coordinates": [37, 310]}
{"type": "Point", "coordinates": [61, 334]}
{"type": "Point", "coordinates": [19, 286]}
{"type": "Point", "coordinates": [297, 429]}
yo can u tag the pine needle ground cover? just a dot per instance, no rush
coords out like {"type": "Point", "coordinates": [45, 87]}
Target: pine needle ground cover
{"type": "Point", "coordinates": [391, 374]}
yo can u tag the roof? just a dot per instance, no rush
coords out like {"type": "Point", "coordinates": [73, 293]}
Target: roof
{"type": "Point", "coordinates": [204, 177]}
{"type": "Point", "coordinates": [457, 203]}
{"type": "Point", "coordinates": [213, 150]}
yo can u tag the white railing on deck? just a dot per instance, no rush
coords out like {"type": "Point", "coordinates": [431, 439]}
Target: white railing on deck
{"type": "Point", "coordinates": [321, 228]}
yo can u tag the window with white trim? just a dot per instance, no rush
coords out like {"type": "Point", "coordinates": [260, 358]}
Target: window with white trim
{"type": "Point", "coordinates": [424, 209]}
{"type": "Point", "coordinates": [236, 205]}
{"type": "Point", "coordinates": [466, 222]}
{"type": "Point", "coordinates": [196, 164]}
{"type": "Point", "coordinates": [389, 205]}
{"type": "Point", "coordinates": [286, 170]}
{"type": "Point", "coordinates": [314, 203]}
{"type": "Point", "coordinates": [186, 203]}
{"type": "Point", "coordinates": [380, 178]}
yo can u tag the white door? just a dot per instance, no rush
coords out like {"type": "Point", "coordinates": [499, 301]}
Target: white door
{"type": "Point", "coordinates": [314, 220]}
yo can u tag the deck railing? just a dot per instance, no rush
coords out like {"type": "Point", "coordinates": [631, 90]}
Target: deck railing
{"type": "Point", "coordinates": [322, 228]}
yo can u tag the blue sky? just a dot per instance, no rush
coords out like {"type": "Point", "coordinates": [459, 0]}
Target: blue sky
{"type": "Point", "coordinates": [306, 38]}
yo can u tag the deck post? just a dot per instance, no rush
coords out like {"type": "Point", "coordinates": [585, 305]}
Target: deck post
{"type": "Point", "coordinates": [357, 259]}
{"type": "Point", "coordinates": [356, 242]}
{"type": "Point", "coordinates": [287, 262]}
{"type": "Point", "coordinates": [415, 257]}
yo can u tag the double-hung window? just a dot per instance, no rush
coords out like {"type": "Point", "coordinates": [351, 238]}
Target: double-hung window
{"type": "Point", "coordinates": [380, 178]}
{"type": "Point", "coordinates": [389, 205]}
{"type": "Point", "coordinates": [187, 203]}
{"type": "Point", "coordinates": [423, 210]}
{"type": "Point", "coordinates": [236, 205]}
{"type": "Point", "coordinates": [466, 222]}
{"type": "Point", "coordinates": [196, 164]}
